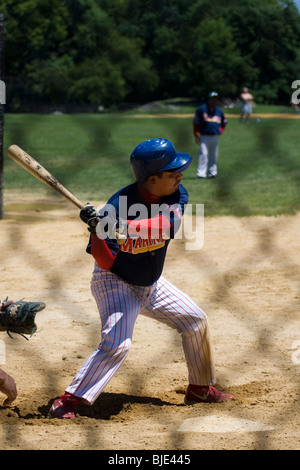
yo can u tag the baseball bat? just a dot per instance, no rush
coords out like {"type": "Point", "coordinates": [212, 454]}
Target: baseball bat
{"type": "Point", "coordinates": [37, 170]}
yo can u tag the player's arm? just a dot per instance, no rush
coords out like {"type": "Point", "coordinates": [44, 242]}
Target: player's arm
{"type": "Point", "coordinates": [197, 126]}
{"type": "Point", "coordinates": [223, 124]}
{"type": "Point", "coordinates": [155, 227]}
{"type": "Point", "coordinates": [98, 247]}
{"type": "Point", "coordinates": [8, 387]}
{"type": "Point", "coordinates": [197, 132]}
{"type": "Point", "coordinates": [103, 254]}
{"type": "Point", "coordinates": [105, 251]}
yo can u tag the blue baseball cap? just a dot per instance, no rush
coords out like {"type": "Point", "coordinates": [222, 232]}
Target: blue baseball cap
{"type": "Point", "coordinates": [213, 94]}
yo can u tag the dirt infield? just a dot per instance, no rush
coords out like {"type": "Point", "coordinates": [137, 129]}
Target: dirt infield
{"type": "Point", "coordinates": [246, 278]}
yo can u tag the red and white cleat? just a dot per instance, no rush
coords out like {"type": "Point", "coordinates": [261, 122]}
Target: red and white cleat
{"type": "Point", "coordinates": [64, 407]}
{"type": "Point", "coordinates": [204, 394]}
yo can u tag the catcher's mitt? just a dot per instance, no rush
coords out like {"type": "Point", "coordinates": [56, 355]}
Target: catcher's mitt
{"type": "Point", "coordinates": [19, 317]}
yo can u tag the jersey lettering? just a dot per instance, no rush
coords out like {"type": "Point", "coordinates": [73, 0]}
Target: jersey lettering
{"type": "Point", "coordinates": [142, 245]}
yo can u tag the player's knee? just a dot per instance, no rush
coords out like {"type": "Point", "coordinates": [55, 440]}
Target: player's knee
{"type": "Point", "coordinates": [197, 325]}
{"type": "Point", "coordinates": [116, 349]}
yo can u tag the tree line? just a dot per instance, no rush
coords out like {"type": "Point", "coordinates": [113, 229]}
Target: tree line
{"type": "Point", "coordinates": [107, 52]}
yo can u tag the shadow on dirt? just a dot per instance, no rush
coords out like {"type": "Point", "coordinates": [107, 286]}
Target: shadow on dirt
{"type": "Point", "coordinates": [108, 405]}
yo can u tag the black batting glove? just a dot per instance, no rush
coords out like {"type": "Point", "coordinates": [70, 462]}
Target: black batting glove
{"type": "Point", "coordinates": [88, 212]}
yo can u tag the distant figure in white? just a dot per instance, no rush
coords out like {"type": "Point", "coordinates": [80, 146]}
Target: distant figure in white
{"type": "Point", "coordinates": [247, 101]}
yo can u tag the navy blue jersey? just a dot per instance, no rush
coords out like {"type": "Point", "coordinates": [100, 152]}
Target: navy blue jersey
{"type": "Point", "coordinates": [209, 121]}
{"type": "Point", "coordinates": [140, 261]}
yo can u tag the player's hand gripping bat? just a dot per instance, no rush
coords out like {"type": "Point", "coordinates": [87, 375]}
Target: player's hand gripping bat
{"type": "Point", "coordinates": [37, 170]}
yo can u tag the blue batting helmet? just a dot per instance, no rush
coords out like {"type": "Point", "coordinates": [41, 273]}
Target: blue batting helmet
{"type": "Point", "coordinates": [156, 155]}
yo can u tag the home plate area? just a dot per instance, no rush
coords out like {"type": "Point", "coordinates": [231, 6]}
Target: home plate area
{"type": "Point", "coordinates": [221, 424]}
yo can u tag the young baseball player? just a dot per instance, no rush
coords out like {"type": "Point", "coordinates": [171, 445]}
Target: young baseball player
{"type": "Point", "coordinates": [127, 278]}
{"type": "Point", "coordinates": [209, 122]}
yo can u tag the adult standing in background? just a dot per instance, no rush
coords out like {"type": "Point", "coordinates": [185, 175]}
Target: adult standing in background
{"type": "Point", "coordinates": [247, 101]}
{"type": "Point", "coordinates": [209, 122]}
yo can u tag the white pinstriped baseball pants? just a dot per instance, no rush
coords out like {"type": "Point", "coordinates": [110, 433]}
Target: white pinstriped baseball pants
{"type": "Point", "coordinates": [119, 304]}
{"type": "Point", "coordinates": [208, 156]}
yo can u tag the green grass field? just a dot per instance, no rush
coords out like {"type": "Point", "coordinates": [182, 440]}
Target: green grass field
{"type": "Point", "coordinates": [259, 164]}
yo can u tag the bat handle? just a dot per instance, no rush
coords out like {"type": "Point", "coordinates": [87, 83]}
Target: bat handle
{"type": "Point", "coordinates": [121, 237]}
